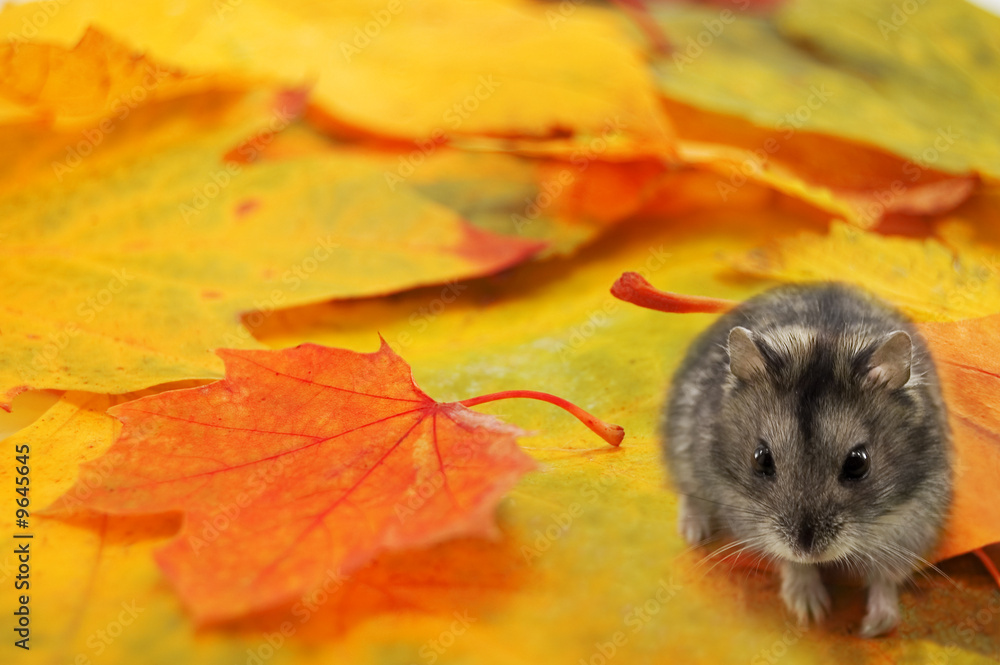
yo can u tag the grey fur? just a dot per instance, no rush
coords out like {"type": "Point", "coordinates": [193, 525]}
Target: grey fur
{"type": "Point", "coordinates": [818, 396]}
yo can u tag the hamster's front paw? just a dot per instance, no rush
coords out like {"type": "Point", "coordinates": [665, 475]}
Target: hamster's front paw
{"type": "Point", "coordinates": [882, 614]}
{"type": "Point", "coordinates": [803, 592]}
{"type": "Point", "coordinates": [694, 521]}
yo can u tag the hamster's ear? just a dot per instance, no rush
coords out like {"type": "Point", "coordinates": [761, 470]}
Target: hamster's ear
{"type": "Point", "coordinates": [745, 359]}
{"type": "Point", "coordinates": [890, 364]}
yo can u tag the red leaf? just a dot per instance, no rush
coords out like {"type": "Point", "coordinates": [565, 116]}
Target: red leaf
{"type": "Point", "coordinates": [302, 463]}
{"type": "Point", "coordinates": [288, 107]}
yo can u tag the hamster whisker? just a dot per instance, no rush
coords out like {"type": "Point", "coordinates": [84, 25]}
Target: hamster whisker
{"type": "Point", "coordinates": [735, 548]}
{"type": "Point", "coordinates": [896, 561]}
{"type": "Point", "coordinates": [913, 558]}
{"type": "Point", "coordinates": [738, 553]}
{"type": "Point", "coordinates": [716, 552]}
{"type": "Point", "coordinates": [701, 543]}
{"type": "Point", "coordinates": [853, 565]}
{"type": "Point", "coordinates": [762, 557]}
{"type": "Point", "coordinates": [714, 565]}
{"type": "Point", "coordinates": [844, 562]}
{"type": "Point", "coordinates": [927, 565]}
{"type": "Point", "coordinates": [870, 562]}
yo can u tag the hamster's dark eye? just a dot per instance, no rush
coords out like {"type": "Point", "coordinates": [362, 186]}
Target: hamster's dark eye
{"type": "Point", "coordinates": [763, 461]}
{"type": "Point", "coordinates": [856, 465]}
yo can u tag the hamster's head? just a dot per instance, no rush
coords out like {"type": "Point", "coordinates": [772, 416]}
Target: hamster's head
{"type": "Point", "coordinates": [824, 443]}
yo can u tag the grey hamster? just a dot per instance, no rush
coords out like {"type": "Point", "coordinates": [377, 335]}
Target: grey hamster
{"type": "Point", "coordinates": [808, 424]}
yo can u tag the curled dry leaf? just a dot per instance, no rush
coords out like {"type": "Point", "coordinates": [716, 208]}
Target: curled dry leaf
{"type": "Point", "coordinates": [41, 81]}
{"type": "Point", "coordinates": [152, 232]}
{"type": "Point", "coordinates": [860, 183]}
{"type": "Point", "coordinates": [584, 72]}
{"type": "Point", "coordinates": [922, 87]}
{"type": "Point", "coordinates": [931, 279]}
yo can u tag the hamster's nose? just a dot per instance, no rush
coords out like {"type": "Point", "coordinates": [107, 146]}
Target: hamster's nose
{"type": "Point", "coordinates": [806, 536]}
{"type": "Point", "coordinates": [809, 535]}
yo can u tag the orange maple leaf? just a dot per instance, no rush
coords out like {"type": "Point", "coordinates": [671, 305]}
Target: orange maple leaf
{"type": "Point", "coordinates": [303, 464]}
{"type": "Point", "coordinates": [966, 358]}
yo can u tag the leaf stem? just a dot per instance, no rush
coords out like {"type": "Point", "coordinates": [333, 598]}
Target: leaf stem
{"type": "Point", "coordinates": [988, 563]}
{"type": "Point", "coordinates": [613, 434]}
{"type": "Point", "coordinates": [633, 287]}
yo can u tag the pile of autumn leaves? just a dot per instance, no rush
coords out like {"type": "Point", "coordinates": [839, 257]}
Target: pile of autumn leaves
{"type": "Point", "coordinates": [157, 183]}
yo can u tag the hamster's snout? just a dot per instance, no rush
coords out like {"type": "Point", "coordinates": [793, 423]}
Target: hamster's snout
{"type": "Point", "coordinates": [810, 537]}
{"type": "Point", "coordinates": [807, 536]}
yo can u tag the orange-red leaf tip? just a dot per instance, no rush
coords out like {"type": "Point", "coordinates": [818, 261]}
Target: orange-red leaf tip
{"type": "Point", "coordinates": [8, 399]}
{"type": "Point", "coordinates": [634, 288]}
{"type": "Point", "coordinates": [614, 434]}
{"type": "Point", "coordinates": [481, 246]}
